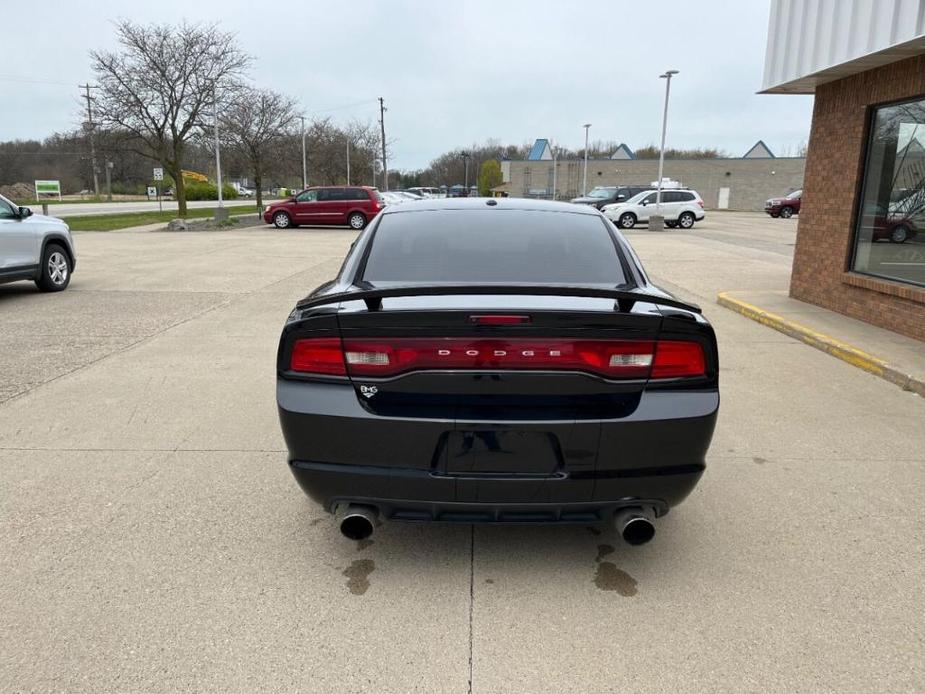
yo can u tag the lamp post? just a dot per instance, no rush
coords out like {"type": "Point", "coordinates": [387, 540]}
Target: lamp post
{"type": "Point", "coordinates": [555, 165]}
{"type": "Point", "coordinates": [220, 213]}
{"type": "Point", "coordinates": [661, 153]}
{"type": "Point", "coordinates": [109, 166]}
{"type": "Point", "coordinates": [304, 167]}
{"type": "Point", "coordinates": [584, 180]}
{"type": "Point", "coordinates": [348, 161]}
{"type": "Point", "coordinates": [465, 156]}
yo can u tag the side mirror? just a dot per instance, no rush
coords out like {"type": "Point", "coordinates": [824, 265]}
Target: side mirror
{"type": "Point", "coordinates": [645, 202]}
{"type": "Point", "coordinates": [25, 212]}
{"type": "Point", "coordinates": [621, 197]}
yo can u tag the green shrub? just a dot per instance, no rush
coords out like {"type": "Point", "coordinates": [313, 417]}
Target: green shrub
{"type": "Point", "coordinates": [196, 190]}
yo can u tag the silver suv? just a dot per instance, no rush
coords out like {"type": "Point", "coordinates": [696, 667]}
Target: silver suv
{"type": "Point", "coordinates": [34, 247]}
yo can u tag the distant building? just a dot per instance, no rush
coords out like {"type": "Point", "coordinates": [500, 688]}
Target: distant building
{"type": "Point", "coordinates": [728, 183]}
{"type": "Point", "coordinates": [623, 152]}
{"type": "Point", "coordinates": [864, 60]}
{"type": "Point", "coordinates": [540, 151]}
{"type": "Point", "coordinates": [759, 150]}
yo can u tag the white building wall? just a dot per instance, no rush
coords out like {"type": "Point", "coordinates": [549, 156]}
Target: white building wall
{"type": "Point", "coordinates": [806, 37]}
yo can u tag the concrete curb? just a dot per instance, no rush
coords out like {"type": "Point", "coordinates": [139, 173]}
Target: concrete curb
{"type": "Point", "coordinates": [826, 343]}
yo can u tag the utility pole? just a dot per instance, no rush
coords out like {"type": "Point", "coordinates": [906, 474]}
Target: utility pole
{"type": "Point", "coordinates": [109, 181]}
{"type": "Point", "coordinates": [348, 161]}
{"type": "Point", "coordinates": [555, 166]}
{"type": "Point", "coordinates": [304, 167]}
{"type": "Point", "coordinates": [385, 166]}
{"type": "Point", "coordinates": [96, 181]}
{"type": "Point", "coordinates": [465, 157]}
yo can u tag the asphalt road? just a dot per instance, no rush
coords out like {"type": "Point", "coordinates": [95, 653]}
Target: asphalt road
{"type": "Point", "coordinates": [93, 208]}
{"type": "Point", "coordinates": [153, 540]}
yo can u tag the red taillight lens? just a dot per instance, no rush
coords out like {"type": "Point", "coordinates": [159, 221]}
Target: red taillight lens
{"type": "Point", "coordinates": [498, 319]}
{"type": "Point", "coordinates": [610, 358]}
{"type": "Point", "coordinates": [700, 202]}
{"type": "Point", "coordinates": [393, 356]}
{"type": "Point", "coordinates": [318, 355]}
{"type": "Point", "coordinates": [676, 359]}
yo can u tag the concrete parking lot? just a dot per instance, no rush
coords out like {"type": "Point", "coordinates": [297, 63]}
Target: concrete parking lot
{"type": "Point", "coordinates": [152, 538]}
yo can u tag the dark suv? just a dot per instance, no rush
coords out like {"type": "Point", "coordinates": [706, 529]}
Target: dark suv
{"type": "Point", "coordinates": [606, 195]}
{"type": "Point", "coordinates": [354, 206]}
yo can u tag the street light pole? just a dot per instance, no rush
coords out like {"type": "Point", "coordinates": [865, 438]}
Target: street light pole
{"type": "Point", "coordinates": [218, 155]}
{"type": "Point", "coordinates": [555, 166]}
{"type": "Point", "coordinates": [304, 167]}
{"type": "Point", "coordinates": [109, 181]}
{"type": "Point", "coordinates": [584, 181]}
{"type": "Point", "coordinates": [465, 156]}
{"type": "Point", "coordinates": [661, 152]}
{"type": "Point", "coordinates": [348, 161]}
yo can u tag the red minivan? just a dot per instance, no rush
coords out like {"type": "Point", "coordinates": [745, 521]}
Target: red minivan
{"type": "Point", "coordinates": [354, 206]}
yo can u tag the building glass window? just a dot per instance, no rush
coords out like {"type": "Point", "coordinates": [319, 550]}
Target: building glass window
{"type": "Point", "coordinates": [890, 235]}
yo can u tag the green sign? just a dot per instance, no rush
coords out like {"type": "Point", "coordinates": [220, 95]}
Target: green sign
{"type": "Point", "coordinates": [48, 188]}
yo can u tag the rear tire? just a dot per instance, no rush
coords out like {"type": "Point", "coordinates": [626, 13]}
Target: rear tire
{"type": "Point", "coordinates": [899, 234]}
{"type": "Point", "coordinates": [627, 220]}
{"type": "Point", "coordinates": [55, 269]}
{"type": "Point", "coordinates": [686, 220]}
{"type": "Point", "coordinates": [671, 225]}
{"type": "Point", "coordinates": [281, 220]}
{"type": "Point", "coordinates": [786, 212]}
{"type": "Point", "coordinates": [356, 220]}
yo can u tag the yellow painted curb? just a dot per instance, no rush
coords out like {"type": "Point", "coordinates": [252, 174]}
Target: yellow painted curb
{"type": "Point", "coordinates": [828, 344]}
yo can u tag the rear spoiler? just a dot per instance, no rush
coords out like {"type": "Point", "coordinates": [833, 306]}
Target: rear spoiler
{"type": "Point", "coordinates": [625, 299]}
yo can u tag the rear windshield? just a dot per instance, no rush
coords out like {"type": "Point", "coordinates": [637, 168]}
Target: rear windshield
{"type": "Point", "coordinates": [493, 246]}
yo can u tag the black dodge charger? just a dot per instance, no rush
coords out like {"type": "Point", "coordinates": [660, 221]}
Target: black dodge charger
{"type": "Point", "coordinates": [496, 361]}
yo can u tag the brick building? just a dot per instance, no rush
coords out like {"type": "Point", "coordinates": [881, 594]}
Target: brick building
{"type": "Point", "coordinates": [861, 237]}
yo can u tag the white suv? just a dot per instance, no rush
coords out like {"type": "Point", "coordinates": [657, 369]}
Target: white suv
{"type": "Point", "coordinates": [34, 247]}
{"type": "Point", "coordinates": [680, 208]}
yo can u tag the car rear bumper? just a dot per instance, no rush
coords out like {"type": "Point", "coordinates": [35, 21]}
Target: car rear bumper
{"type": "Point", "coordinates": [340, 452]}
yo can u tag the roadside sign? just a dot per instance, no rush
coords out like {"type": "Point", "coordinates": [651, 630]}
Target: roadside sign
{"type": "Point", "coordinates": [158, 174]}
{"type": "Point", "coordinates": [152, 192]}
{"type": "Point", "coordinates": [48, 188]}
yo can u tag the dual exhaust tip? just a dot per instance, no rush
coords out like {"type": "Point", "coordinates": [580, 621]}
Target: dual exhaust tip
{"type": "Point", "coordinates": [635, 525]}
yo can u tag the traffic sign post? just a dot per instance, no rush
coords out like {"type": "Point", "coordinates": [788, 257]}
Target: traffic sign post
{"type": "Point", "coordinates": [158, 176]}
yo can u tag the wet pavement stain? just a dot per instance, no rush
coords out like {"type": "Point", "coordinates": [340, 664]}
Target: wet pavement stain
{"type": "Point", "coordinates": [609, 577]}
{"type": "Point", "coordinates": [594, 531]}
{"type": "Point", "coordinates": [489, 580]}
{"type": "Point", "coordinates": [760, 461]}
{"type": "Point", "coordinates": [316, 521]}
{"type": "Point", "coordinates": [363, 544]}
{"type": "Point", "coordinates": [358, 575]}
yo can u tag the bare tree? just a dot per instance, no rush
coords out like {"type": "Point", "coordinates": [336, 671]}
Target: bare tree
{"type": "Point", "coordinates": [255, 121]}
{"type": "Point", "coordinates": [158, 86]}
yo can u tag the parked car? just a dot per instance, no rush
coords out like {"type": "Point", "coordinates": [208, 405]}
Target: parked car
{"type": "Point", "coordinates": [428, 192]}
{"type": "Point", "coordinates": [354, 206]}
{"type": "Point", "coordinates": [499, 361]}
{"type": "Point", "coordinates": [889, 225]}
{"type": "Point", "coordinates": [397, 197]}
{"type": "Point", "coordinates": [680, 208]}
{"type": "Point", "coordinates": [35, 247]}
{"type": "Point", "coordinates": [786, 206]}
{"type": "Point", "coordinates": [606, 195]}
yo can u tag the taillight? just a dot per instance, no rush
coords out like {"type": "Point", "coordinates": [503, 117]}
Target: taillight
{"type": "Point", "coordinates": [609, 358]}
{"type": "Point", "coordinates": [392, 356]}
{"type": "Point", "coordinates": [318, 355]}
{"type": "Point", "coordinates": [677, 359]}
{"type": "Point", "coordinates": [700, 202]}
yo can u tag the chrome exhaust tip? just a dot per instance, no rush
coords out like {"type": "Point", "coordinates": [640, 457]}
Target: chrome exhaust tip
{"type": "Point", "coordinates": [635, 525]}
{"type": "Point", "coordinates": [357, 522]}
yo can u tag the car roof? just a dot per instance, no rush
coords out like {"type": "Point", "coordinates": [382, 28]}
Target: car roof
{"type": "Point", "coordinates": [493, 204]}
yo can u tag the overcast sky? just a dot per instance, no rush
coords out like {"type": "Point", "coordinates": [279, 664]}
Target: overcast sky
{"type": "Point", "coordinates": [452, 73]}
